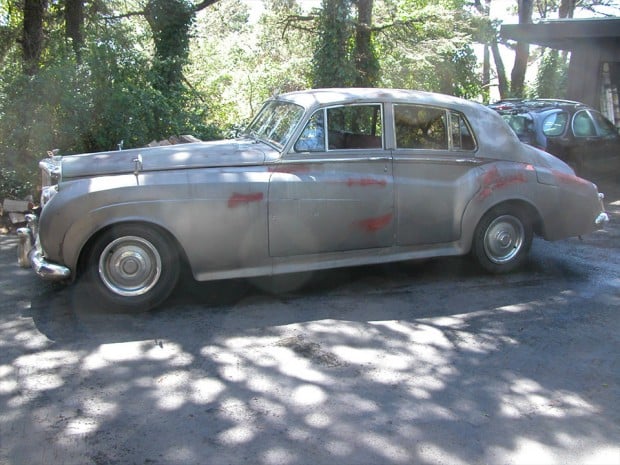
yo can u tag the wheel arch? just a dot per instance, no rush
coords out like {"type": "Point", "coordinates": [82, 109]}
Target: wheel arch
{"type": "Point", "coordinates": [521, 205]}
{"type": "Point", "coordinates": [84, 251]}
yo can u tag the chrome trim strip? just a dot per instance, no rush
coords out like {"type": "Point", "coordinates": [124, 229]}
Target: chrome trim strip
{"type": "Point", "coordinates": [443, 160]}
{"type": "Point", "coordinates": [305, 161]}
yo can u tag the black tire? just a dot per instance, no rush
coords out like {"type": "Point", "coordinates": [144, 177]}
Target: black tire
{"type": "Point", "coordinates": [502, 239]}
{"type": "Point", "coordinates": [132, 268]}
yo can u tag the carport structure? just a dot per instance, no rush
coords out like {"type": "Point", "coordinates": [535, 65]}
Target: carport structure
{"type": "Point", "coordinates": [594, 70]}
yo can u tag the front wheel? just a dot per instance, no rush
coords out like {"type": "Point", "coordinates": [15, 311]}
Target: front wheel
{"type": "Point", "coordinates": [502, 240]}
{"type": "Point", "coordinates": [132, 267]}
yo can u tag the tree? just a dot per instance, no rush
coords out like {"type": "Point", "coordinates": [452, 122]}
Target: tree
{"type": "Point", "coordinates": [332, 63]}
{"type": "Point", "coordinates": [74, 25]}
{"type": "Point", "coordinates": [364, 54]}
{"type": "Point", "coordinates": [522, 51]}
{"type": "Point", "coordinates": [32, 38]}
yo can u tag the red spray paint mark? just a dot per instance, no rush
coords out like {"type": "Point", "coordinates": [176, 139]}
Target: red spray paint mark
{"type": "Point", "coordinates": [364, 182]}
{"type": "Point", "coordinates": [493, 180]}
{"type": "Point", "coordinates": [375, 224]}
{"type": "Point", "coordinates": [239, 199]}
{"type": "Point", "coordinates": [570, 179]}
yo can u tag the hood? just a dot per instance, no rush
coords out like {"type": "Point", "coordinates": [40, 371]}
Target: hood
{"type": "Point", "coordinates": [195, 155]}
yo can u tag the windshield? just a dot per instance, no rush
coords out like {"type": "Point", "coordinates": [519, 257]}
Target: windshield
{"type": "Point", "coordinates": [275, 122]}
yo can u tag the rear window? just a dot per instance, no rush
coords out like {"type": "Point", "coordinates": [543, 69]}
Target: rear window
{"type": "Point", "coordinates": [555, 124]}
{"type": "Point", "coordinates": [420, 127]}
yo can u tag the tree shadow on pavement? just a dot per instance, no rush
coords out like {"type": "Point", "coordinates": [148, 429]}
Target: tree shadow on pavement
{"type": "Point", "coordinates": [421, 363]}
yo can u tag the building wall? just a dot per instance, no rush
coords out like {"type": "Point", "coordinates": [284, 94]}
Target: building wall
{"type": "Point", "coordinates": [587, 81]}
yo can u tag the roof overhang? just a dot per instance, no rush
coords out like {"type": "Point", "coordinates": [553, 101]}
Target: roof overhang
{"type": "Point", "coordinates": [565, 34]}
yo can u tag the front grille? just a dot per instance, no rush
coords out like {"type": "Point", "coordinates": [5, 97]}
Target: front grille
{"type": "Point", "coordinates": [50, 177]}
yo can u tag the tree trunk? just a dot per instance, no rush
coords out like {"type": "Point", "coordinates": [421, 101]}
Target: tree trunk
{"type": "Point", "coordinates": [170, 22]}
{"type": "Point", "coordinates": [522, 52]}
{"type": "Point", "coordinates": [486, 74]}
{"type": "Point", "coordinates": [501, 71]}
{"type": "Point", "coordinates": [74, 25]}
{"type": "Point", "coordinates": [32, 39]}
{"type": "Point", "coordinates": [365, 58]}
{"type": "Point", "coordinates": [332, 66]}
{"type": "Point", "coordinates": [567, 8]}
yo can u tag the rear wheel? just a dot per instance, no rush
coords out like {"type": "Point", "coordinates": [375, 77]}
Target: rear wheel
{"type": "Point", "coordinates": [502, 239]}
{"type": "Point", "coordinates": [132, 267]}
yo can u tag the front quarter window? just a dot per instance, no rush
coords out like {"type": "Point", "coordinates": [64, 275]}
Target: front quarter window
{"type": "Point", "coordinates": [312, 138]}
{"type": "Point", "coordinates": [275, 122]}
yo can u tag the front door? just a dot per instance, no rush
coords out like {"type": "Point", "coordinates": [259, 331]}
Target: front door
{"type": "Point", "coordinates": [335, 191]}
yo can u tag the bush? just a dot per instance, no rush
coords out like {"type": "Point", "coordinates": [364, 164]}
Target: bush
{"type": "Point", "coordinates": [14, 186]}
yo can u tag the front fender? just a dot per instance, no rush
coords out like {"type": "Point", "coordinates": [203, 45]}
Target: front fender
{"type": "Point", "coordinates": [218, 217]}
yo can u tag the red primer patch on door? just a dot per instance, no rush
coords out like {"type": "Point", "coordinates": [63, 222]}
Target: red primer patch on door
{"type": "Point", "coordinates": [493, 180]}
{"type": "Point", "coordinates": [364, 182]}
{"type": "Point", "coordinates": [239, 199]}
{"type": "Point", "coordinates": [375, 224]}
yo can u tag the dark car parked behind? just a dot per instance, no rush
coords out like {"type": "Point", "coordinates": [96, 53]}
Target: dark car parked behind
{"type": "Point", "coordinates": [572, 131]}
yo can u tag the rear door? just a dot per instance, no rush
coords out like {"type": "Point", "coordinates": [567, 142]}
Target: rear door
{"type": "Point", "coordinates": [596, 143]}
{"type": "Point", "coordinates": [434, 173]}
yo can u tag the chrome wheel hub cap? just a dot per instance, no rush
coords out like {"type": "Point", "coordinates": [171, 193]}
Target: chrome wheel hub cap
{"type": "Point", "coordinates": [130, 266]}
{"type": "Point", "coordinates": [503, 239]}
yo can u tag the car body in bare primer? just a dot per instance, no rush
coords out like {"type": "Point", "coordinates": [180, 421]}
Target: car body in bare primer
{"type": "Point", "coordinates": [320, 179]}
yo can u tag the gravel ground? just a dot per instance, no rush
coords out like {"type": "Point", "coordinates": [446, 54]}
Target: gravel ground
{"type": "Point", "coordinates": [420, 363]}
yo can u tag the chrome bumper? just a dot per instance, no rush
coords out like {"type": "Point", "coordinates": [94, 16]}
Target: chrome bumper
{"type": "Point", "coordinates": [29, 254]}
{"type": "Point", "coordinates": [602, 219]}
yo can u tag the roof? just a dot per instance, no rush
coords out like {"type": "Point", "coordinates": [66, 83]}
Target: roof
{"type": "Point", "coordinates": [565, 34]}
{"type": "Point", "coordinates": [321, 97]}
{"type": "Point", "coordinates": [535, 105]}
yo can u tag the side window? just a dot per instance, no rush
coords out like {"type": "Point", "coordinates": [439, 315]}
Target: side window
{"type": "Point", "coordinates": [354, 127]}
{"type": "Point", "coordinates": [583, 125]}
{"type": "Point", "coordinates": [605, 127]}
{"type": "Point", "coordinates": [420, 127]}
{"type": "Point", "coordinates": [555, 124]}
{"type": "Point", "coordinates": [312, 138]}
{"type": "Point", "coordinates": [461, 135]}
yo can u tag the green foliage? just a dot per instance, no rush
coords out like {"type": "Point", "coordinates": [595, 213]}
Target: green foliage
{"type": "Point", "coordinates": [236, 64]}
{"type": "Point", "coordinates": [170, 22]}
{"type": "Point", "coordinates": [427, 46]}
{"type": "Point", "coordinates": [14, 185]}
{"type": "Point", "coordinates": [552, 77]}
{"type": "Point", "coordinates": [148, 76]}
{"type": "Point", "coordinates": [92, 106]}
{"type": "Point", "coordinates": [332, 62]}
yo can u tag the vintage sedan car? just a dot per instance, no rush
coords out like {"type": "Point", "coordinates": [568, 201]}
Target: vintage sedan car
{"type": "Point", "coordinates": [321, 179]}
